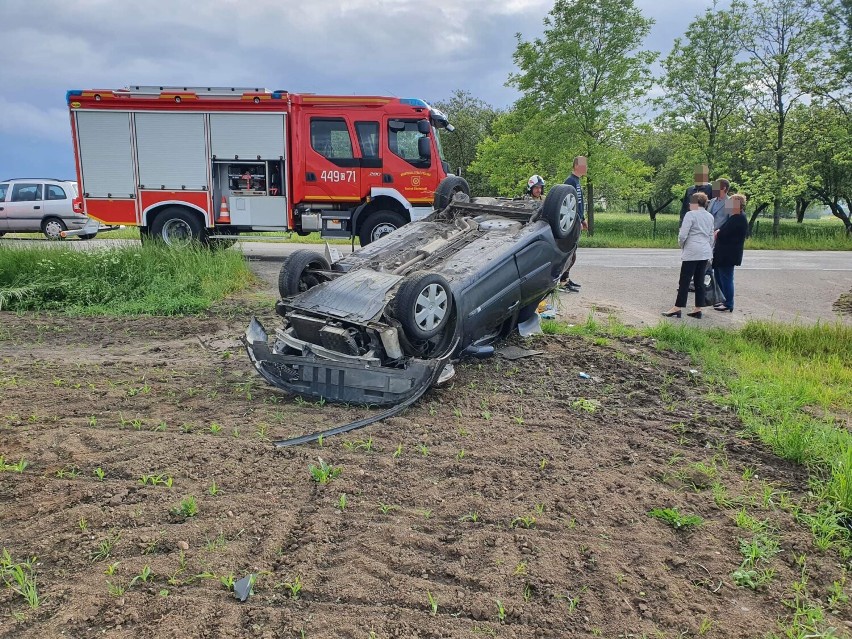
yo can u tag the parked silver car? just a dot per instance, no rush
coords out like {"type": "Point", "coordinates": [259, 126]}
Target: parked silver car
{"type": "Point", "coordinates": [32, 205]}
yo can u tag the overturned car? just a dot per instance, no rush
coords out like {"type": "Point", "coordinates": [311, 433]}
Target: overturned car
{"type": "Point", "coordinates": [383, 324]}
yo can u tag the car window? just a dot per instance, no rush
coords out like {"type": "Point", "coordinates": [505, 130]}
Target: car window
{"type": "Point", "coordinates": [330, 138]}
{"type": "Point", "coordinates": [3, 189]}
{"type": "Point", "coordinates": [368, 138]}
{"type": "Point", "coordinates": [73, 186]}
{"type": "Point", "coordinates": [55, 192]}
{"type": "Point", "coordinates": [404, 142]}
{"type": "Point", "coordinates": [26, 192]}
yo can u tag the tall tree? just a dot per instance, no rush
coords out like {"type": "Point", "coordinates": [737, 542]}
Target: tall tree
{"type": "Point", "coordinates": [472, 120]}
{"type": "Point", "coordinates": [588, 70]}
{"type": "Point", "coordinates": [782, 41]}
{"type": "Point", "coordinates": [704, 80]}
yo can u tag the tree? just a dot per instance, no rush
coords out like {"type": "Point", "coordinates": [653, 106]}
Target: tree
{"type": "Point", "coordinates": [587, 71]}
{"type": "Point", "coordinates": [660, 152]}
{"type": "Point", "coordinates": [472, 120]}
{"type": "Point", "coordinates": [782, 41]}
{"type": "Point", "coordinates": [704, 80]}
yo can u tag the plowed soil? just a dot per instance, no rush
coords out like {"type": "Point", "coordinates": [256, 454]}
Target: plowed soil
{"type": "Point", "coordinates": [519, 482]}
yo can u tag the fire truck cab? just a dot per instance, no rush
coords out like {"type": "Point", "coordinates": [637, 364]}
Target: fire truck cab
{"type": "Point", "coordinates": [188, 163]}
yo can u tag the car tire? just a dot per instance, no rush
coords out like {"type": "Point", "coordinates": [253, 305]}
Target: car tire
{"type": "Point", "coordinates": [560, 210]}
{"type": "Point", "coordinates": [378, 224]}
{"type": "Point", "coordinates": [177, 227]}
{"type": "Point", "coordinates": [52, 227]}
{"type": "Point", "coordinates": [448, 187]}
{"type": "Point", "coordinates": [423, 304]}
{"type": "Point", "coordinates": [293, 278]}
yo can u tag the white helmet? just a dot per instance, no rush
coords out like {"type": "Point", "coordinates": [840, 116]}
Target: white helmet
{"type": "Point", "coordinates": [535, 180]}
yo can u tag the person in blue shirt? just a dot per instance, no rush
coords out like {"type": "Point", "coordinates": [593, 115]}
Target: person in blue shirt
{"type": "Point", "coordinates": [579, 169]}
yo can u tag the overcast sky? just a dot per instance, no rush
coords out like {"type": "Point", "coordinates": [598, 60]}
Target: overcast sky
{"type": "Point", "coordinates": [386, 47]}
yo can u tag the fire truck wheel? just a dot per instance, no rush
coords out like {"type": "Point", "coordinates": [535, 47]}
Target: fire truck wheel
{"type": "Point", "coordinates": [52, 227]}
{"type": "Point", "coordinates": [448, 187]}
{"type": "Point", "coordinates": [177, 227]}
{"type": "Point", "coordinates": [422, 304]}
{"type": "Point", "coordinates": [293, 278]}
{"type": "Point", "coordinates": [378, 224]}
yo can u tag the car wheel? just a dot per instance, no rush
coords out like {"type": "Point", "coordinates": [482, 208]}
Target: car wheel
{"type": "Point", "coordinates": [379, 224]}
{"type": "Point", "coordinates": [52, 227]}
{"type": "Point", "coordinates": [177, 227]}
{"type": "Point", "coordinates": [293, 277]}
{"type": "Point", "coordinates": [560, 210]}
{"type": "Point", "coordinates": [422, 305]}
{"type": "Point", "coordinates": [448, 187]}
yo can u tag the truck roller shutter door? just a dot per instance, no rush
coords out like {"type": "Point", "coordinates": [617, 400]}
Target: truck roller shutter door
{"type": "Point", "coordinates": [247, 136]}
{"type": "Point", "coordinates": [172, 151]}
{"type": "Point", "coordinates": [106, 157]}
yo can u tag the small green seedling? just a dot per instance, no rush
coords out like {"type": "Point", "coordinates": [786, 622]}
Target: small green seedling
{"type": "Point", "coordinates": [324, 473]}
{"type": "Point", "coordinates": [188, 507]}
{"type": "Point", "coordinates": [675, 519]}
{"type": "Point", "coordinates": [294, 588]}
{"type": "Point", "coordinates": [433, 603]}
{"type": "Point", "coordinates": [99, 473]}
{"type": "Point", "coordinates": [501, 611]}
{"type": "Point", "coordinates": [525, 521]}
{"type": "Point", "coordinates": [341, 502]}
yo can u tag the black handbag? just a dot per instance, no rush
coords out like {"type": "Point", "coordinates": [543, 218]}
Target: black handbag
{"type": "Point", "coordinates": [712, 292]}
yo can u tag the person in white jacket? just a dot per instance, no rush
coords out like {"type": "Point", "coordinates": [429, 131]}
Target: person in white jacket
{"type": "Point", "coordinates": [696, 248]}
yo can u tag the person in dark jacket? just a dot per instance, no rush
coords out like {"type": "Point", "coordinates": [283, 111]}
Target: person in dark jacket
{"type": "Point", "coordinates": [578, 170]}
{"type": "Point", "coordinates": [701, 186]}
{"type": "Point", "coordinates": [728, 250]}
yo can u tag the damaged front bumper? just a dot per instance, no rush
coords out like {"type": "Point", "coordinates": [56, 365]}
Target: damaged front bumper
{"type": "Point", "coordinates": [340, 381]}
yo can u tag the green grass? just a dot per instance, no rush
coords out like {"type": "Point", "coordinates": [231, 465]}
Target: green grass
{"type": "Point", "coordinates": [632, 230]}
{"type": "Point", "coordinates": [625, 230]}
{"type": "Point", "coordinates": [150, 279]}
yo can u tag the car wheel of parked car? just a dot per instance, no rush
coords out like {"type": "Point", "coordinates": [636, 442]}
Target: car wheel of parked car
{"type": "Point", "coordinates": [293, 278]}
{"type": "Point", "coordinates": [379, 224]}
{"type": "Point", "coordinates": [448, 187]}
{"type": "Point", "coordinates": [177, 227]}
{"type": "Point", "coordinates": [52, 227]}
{"type": "Point", "coordinates": [422, 305]}
{"type": "Point", "coordinates": [560, 210]}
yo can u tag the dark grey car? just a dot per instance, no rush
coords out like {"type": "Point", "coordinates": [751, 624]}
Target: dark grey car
{"type": "Point", "coordinates": [378, 326]}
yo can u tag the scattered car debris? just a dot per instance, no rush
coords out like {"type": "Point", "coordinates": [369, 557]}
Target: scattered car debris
{"type": "Point", "coordinates": [244, 587]}
{"type": "Point", "coordinates": [516, 352]}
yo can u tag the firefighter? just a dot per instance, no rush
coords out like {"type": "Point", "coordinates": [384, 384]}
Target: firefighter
{"type": "Point", "coordinates": [535, 188]}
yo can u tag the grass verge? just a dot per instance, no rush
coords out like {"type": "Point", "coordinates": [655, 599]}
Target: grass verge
{"type": "Point", "coordinates": [789, 385]}
{"type": "Point", "coordinates": [623, 230]}
{"type": "Point", "coordinates": [137, 280]}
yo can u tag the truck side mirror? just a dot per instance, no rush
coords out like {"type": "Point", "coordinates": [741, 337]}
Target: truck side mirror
{"type": "Point", "coordinates": [423, 127]}
{"type": "Point", "coordinates": [424, 148]}
{"type": "Point", "coordinates": [396, 125]}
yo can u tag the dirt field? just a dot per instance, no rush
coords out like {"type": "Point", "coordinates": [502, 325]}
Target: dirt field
{"type": "Point", "coordinates": [521, 482]}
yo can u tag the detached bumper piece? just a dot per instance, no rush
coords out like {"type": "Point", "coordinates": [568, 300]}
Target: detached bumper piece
{"type": "Point", "coordinates": [337, 381]}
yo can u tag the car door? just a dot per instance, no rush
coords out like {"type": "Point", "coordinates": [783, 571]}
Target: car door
{"type": "Point", "coordinates": [57, 202]}
{"type": "Point", "coordinates": [24, 207]}
{"type": "Point", "coordinates": [491, 300]}
{"type": "Point", "coordinates": [4, 224]}
{"type": "Point", "coordinates": [332, 171]}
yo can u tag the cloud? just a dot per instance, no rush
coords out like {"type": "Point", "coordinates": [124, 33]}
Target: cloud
{"type": "Point", "coordinates": [22, 118]}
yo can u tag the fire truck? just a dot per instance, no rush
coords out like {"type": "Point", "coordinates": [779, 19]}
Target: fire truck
{"type": "Point", "coordinates": [208, 163]}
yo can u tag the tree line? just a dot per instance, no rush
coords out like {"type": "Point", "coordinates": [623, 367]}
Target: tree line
{"type": "Point", "coordinates": [758, 91]}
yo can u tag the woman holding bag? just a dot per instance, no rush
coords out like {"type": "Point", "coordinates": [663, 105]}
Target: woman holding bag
{"type": "Point", "coordinates": [728, 251]}
{"type": "Point", "coordinates": [696, 248]}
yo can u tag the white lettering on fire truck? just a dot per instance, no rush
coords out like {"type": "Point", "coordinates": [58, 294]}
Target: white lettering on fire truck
{"type": "Point", "coordinates": [337, 176]}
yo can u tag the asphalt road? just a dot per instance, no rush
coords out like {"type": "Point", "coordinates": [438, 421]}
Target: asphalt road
{"type": "Point", "coordinates": [638, 284]}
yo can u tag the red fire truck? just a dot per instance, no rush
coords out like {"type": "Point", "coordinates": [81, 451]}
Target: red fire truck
{"type": "Point", "coordinates": [194, 163]}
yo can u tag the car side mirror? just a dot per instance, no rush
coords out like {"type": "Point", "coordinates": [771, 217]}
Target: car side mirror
{"type": "Point", "coordinates": [423, 127]}
{"type": "Point", "coordinates": [424, 148]}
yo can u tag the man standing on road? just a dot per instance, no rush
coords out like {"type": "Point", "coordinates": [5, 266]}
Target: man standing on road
{"type": "Point", "coordinates": [701, 186]}
{"type": "Point", "coordinates": [719, 207]}
{"type": "Point", "coordinates": [579, 170]}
